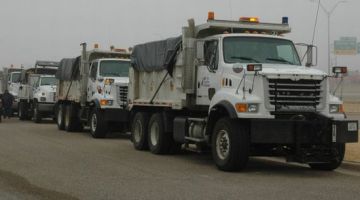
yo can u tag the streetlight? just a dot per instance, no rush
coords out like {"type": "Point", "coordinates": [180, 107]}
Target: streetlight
{"type": "Point", "coordinates": [329, 13]}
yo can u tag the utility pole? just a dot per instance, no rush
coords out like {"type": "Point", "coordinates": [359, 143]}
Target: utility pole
{"type": "Point", "coordinates": [329, 13]}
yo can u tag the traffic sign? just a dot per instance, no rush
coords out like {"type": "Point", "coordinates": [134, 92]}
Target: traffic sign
{"type": "Point", "coordinates": [346, 46]}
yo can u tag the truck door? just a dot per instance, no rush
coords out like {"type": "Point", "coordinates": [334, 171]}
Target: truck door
{"type": "Point", "coordinates": [206, 74]}
{"type": "Point", "coordinates": [91, 88]}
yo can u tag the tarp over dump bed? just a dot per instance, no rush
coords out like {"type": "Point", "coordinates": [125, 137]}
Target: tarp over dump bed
{"type": "Point", "coordinates": [156, 56]}
{"type": "Point", "coordinates": [68, 69]}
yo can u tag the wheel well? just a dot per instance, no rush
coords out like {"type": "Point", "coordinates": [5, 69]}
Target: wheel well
{"type": "Point", "coordinates": [222, 109]}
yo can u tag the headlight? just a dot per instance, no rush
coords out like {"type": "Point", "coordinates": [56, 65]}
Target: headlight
{"type": "Point", "coordinates": [336, 108]}
{"type": "Point", "coordinates": [109, 81]}
{"type": "Point", "coordinates": [251, 108]}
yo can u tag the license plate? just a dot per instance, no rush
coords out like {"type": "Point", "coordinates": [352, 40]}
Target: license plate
{"type": "Point", "coordinates": [352, 126]}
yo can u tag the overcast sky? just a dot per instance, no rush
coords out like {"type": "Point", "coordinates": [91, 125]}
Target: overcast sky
{"type": "Point", "coordinates": [33, 30]}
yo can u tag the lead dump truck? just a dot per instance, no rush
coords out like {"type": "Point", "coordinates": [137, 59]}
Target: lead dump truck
{"type": "Point", "coordinates": [238, 87]}
{"type": "Point", "coordinates": [92, 91]}
{"type": "Point", "coordinates": [37, 91]}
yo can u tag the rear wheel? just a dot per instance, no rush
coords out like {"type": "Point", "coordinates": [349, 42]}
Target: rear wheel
{"type": "Point", "coordinates": [37, 114]}
{"type": "Point", "coordinates": [230, 145]}
{"type": "Point", "coordinates": [139, 131]}
{"type": "Point", "coordinates": [60, 117]}
{"type": "Point", "coordinates": [335, 163]}
{"type": "Point", "coordinates": [98, 126]}
{"type": "Point", "coordinates": [159, 141]}
{"type": "Point", "coordinates": [22, 111]}
{"type": "Point", "coordinates": [71, 123]}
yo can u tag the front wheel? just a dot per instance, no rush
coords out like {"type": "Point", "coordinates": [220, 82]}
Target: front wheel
{"type": "Point", "coordinates": [98, 126]}
{"type": "Point", "coordinates": [335, 163]}
{"type": "Point", "coordinates": [230, 145]}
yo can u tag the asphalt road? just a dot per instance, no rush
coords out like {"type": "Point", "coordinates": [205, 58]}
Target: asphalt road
{"type": "Point", "coordinates": [39, 162]}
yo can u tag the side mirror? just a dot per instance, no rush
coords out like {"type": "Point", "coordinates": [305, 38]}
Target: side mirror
{"type": "Point", "coordinates": [310, 54]}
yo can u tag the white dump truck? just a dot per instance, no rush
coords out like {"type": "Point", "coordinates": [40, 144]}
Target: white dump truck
{"type": "Point", "coordinates": [238, 87]}
{"type": "Point", "coordinates": [92, 91]}
{"type": "Point", "coordinates": [37, 91]}
{"type": "Point", "coordinates": [11, 82]}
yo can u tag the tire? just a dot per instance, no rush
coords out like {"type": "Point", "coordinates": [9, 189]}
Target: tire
{"type": "Point", "coordinates": [71, 123]}
{"type": "Point", "coordinates": [22, 111]}
{"type": "Point", "coordinates": [139, 131]}
{"type": "Point", "coordinates": [98, 126]}
{"type": "Point", "coordinates": [158, 140]}
{"type": "Point", "coordinates": [230, 145]}
{"type": "Point", "coordinates": [60, 116]}
{"type": "Point", "coordinates": [37, 114]}
{"type": "Point", "coordinates": [335, 163]}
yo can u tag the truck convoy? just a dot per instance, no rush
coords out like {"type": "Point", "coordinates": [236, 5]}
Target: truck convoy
{"type": "Point", "coordinates": [10, 80]}
{"type": "Point", "coordinates": [37, 91]}
{"type": "Point", "coordinates": [92, 91]}
{"type": "Point", "coordinates": [240, 88]}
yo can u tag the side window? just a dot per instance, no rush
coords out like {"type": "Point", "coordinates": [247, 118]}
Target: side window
{"type": "Point", "coordinates": [93, 70]}
{"type": "Point", "coordinates": [211, 54]}
{"type": "Point", "coordinates": [285, 52]}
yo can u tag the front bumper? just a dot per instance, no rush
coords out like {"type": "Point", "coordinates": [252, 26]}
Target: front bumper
{"type": "Point", "coordinates": [320, 131]}
{"type": "Point", "coordinates": [46, 107]}
{"type": "Point", "coordinates": [116, 115]}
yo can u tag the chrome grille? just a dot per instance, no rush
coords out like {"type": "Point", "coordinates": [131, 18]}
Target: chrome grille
{"type": "Point", "coordinates": [287, 95]}
{"type": "Point", "coordinates": [122, 96]}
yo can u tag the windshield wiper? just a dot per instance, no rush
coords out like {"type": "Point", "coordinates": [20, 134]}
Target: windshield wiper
{"type": "Point", "coordinates": [280, 60]}
{"type": "Point", "coordinates": [245, 58]}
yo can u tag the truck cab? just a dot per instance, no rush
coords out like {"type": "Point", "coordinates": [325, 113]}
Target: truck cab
{"type": "Point", "coordinates": [105, 78]}
{"type": "Point", "coordinates": [37, 91]}
{"type": "Point", "coordinates": [44, 94]}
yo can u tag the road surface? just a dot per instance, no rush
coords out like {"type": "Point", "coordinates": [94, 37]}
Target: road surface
{"type": "Point", "coordinates": [39, 162]}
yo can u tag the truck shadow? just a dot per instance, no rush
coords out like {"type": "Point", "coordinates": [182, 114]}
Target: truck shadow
{"type": "Point", "coordinates": [264, 166]}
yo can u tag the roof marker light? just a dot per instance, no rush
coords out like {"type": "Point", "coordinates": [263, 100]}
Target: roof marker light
{"type": "Point", "coordinates": [285, 20]}
{"type": "Point", "coordinates": [249, 19]}
{"type": "Point", "coordinates": [211, 15]}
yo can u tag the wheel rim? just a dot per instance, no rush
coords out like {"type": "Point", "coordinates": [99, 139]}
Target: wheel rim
{"type": "Point", "coordinates": [35, 112]}
{"type": "Point", "coordinates": [93, 122]}
{"type": "Point", "coordinates": [154, 134]}
{"type": "Point", "coordinates": [67, 118]}
{"type": "Point", "coordinates": [59, 117]}
{"type": "Point", "coordinates": [137, 131]}
{"type": "Point", "coordinates": [223, 144]}
{"type": "Point", "coordinates": [20, 111]}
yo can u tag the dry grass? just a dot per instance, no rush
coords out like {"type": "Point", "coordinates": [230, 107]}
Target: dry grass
{"type": "Point", "coordinates": [353, 152]}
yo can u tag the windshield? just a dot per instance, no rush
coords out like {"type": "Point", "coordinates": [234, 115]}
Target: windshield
{"type": "Point", "coordinates": [48, 81]}
{"type": "Point", "coordinates": [259, 50]}
{"type": "Point", "coordinates": [114, 68]}
{"type": "Point", "coordinates": [15, 77]}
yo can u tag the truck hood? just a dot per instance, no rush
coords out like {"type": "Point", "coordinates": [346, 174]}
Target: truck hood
{"type": "Point", "coordinates": [47, 88]}
{"type": "Point", "coordinates": [291, 71]}
{"type": "Point", "coordinates": [119, 80]}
